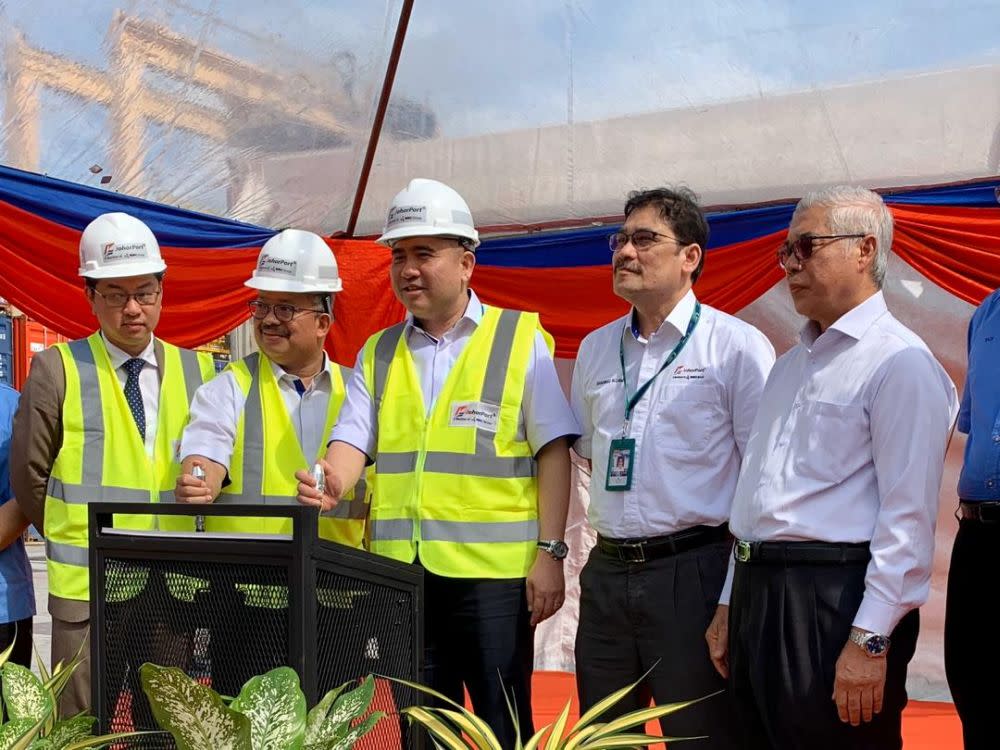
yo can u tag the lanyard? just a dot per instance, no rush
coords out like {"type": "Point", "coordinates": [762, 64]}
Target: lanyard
{"type": "Point", "coordinates": [631, 401]}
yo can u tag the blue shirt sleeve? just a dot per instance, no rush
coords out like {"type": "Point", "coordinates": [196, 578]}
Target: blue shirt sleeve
{"type": "Point", "coordinates": [965, 410]}
{"type": "Point", "coordinates": [8, 405]}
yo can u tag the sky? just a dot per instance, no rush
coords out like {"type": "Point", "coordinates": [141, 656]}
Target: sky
{"type": "Point", "coordinates": [485, 67]}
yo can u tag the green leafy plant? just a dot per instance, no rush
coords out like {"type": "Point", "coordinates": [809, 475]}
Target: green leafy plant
{"type": "Point", "coordinates": [457, 728]}
{"type": "Point", "coordinates": [268, 714]}
{"type": "Point", "coordinates": [32, 710]}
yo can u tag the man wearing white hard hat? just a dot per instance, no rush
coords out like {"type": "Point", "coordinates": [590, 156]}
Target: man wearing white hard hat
{"type": "Point", "coordinates": [100, 420]}
{"type": "Point", "coordinates": [267, 416]}
{"type": "Point", "coordinates": [460, 410]}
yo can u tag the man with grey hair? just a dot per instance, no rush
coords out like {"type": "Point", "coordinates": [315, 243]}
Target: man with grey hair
{"type": "Point", "coordinates": [837, 498]}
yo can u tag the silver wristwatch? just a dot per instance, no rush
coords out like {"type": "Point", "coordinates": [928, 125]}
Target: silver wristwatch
{"type": "Point", "coordinates": [555, 547]}
{"type": "Point", "coordinates": [874, 645]}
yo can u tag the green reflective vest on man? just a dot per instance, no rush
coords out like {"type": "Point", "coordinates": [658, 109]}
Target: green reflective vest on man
{"type": "Point", "coordinates": [103, 459]}
{"type": "Point", "coordinates": [267, 453]}
{"type": "Point", "coordinates": [456, 485]}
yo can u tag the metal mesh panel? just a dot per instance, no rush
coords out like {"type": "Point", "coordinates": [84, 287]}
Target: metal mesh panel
{"type": "Point", "coordinates": [219, 622]}
{"type": "Point", "coordinates": [367, 628]}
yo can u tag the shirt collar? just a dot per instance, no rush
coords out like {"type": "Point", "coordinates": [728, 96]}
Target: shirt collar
{"type": "Point", "coordinates": [854, 323]}
{"type": "Point", "coordinates": [281, 374]}
{"type": "Point", "coordinates": [678, 318]}
{"type": "Point", "coordinates": [473, 314]}
{"type": "Point", "coordinates": [119, 357]}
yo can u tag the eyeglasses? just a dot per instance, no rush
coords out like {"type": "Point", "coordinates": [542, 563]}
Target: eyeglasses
{"type": "Point", "coordinates": [641, 239]}
{"type": "Point", "coordinates": [804, 246]}
{"type": "Point", "coordinates": [284, 313]}
{"type": "Point", "coordinates": [120, 299]}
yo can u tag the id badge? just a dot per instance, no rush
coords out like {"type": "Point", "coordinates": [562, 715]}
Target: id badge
{"type": "Point", "coordinates": [620, 463]}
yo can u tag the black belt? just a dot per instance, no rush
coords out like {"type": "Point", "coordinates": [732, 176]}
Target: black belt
{"type": "Point", "coordinates": [985, 512]}
{"type": "Point", "coordinates": [801, 552]}
{"type": "Point", "coordinates": [641, 549]}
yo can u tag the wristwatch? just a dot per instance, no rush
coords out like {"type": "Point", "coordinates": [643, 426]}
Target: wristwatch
{"type": "Point", "coordinates": [874, 645]}
{"type": "Point", "coordinates": [555, 547]}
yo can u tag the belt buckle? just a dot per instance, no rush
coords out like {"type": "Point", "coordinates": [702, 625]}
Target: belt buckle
{"type": "Point", "coordinates": [640, 557]}
{"type": "Point", "coordinates": [742, 551]}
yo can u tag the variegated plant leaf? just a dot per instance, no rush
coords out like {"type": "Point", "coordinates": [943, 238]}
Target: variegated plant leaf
{"type": "Point", "coordinates": [348, 707]}
{"type": "Point", "coordinates": [276, 707]}
{"type": "Point", "coordinates": [104, 740]}
{"type": "Point", "coordinates": [352, 704]}
{"type": "Point", "coordinates": [317, 714]}
{"type": "Point", "coordinates": [347, 740]}
{"type": "Point", "coordinates": [42, 743]}
{"type": "Point", "coordinates": [68, 731]}
{"type": "Point", "coordinates": [194, 714]}
{"type": "Point", "coordinates": [13, 732]}
{"type": "Point", "coordinates": [24, 694]}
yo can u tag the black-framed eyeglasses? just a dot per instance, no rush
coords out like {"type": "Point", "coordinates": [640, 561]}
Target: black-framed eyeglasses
{"type": "Point", "coordinates": [802, 247]}
{"type": "Point", "coordinates": [641, 239]}
{"type": "Point", "coordinates": [120, 299]}
{"type": "Point", "coordinates": [284, 313]}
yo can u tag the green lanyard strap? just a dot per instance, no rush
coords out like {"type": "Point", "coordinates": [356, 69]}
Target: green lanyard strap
{"type": "Point", "coordinates": [631, 401]}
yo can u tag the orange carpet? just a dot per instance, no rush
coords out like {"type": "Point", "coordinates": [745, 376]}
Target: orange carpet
{"type": "Point", "coordinates": [926, 726]}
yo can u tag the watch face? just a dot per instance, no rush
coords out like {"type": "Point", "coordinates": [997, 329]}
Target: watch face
{"type": "Point", "coordinates": [876, 645]}
{"type": "Point", "coordinates": [560, 550]}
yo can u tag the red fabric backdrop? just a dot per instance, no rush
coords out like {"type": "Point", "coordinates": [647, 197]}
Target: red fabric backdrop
{"type": "Point", "coordinates": [957, 248]}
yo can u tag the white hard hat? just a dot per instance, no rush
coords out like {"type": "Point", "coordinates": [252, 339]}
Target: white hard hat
{"type": "Point", "coordinates": [117, 245]}
{"type": "Point", "coordinates": [296, 261]}
{"type": "Point", "coordinates": [428, 208]}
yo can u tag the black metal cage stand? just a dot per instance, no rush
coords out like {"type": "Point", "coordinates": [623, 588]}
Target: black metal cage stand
{"type": "Point", "coordinates": [224, 607]}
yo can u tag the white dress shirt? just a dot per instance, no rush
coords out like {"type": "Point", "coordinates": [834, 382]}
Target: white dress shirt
{"type": "Point", "coordinates": [690, 428]}
{"type": "Point", "coordinates": [218, 406]}
{"type": "Point", "coordinates": [149, 384]}
{"type": "Point", "coordinates": [848, 446]}
{"type": "Point", "coordinates": [547, 415]}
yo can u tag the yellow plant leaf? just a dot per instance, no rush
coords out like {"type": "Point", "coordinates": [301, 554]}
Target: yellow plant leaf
{"type": "Point", "coordinates": [624, 740]}
{"type": "Point", "coordinates": [462, 719]}
{"type": "Point", "coordinates": [429, 721]}
{"type": "Point", "coordinates": [536, 738]}
{"type": "Point", "coordinates": [640, 717]}
{"type": "Point", "coordinates": [556, 738]}
{"type": "Point", "coordinates": [604, 704]}
{"type": "Point", "coordinates": [577, 737]}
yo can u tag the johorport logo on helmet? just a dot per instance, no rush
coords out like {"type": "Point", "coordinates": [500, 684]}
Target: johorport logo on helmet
{"type": "Point", "coordinates": [406, 214]}
{"type": "Point", "coordinates": [274, 264]}
{"type": "Point", "coordinates": [114, 252]}
{"type": "Point", "coordinates": [475, 414]}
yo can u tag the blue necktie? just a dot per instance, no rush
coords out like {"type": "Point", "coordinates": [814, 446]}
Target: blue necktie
{"type": "Point", "coordinates": [134, 396]}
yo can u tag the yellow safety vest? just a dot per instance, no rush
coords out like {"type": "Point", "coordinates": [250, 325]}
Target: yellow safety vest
{"type": "Point", "coordinates": [103, 459]}
{"type": "Point", "coordinates": [457, 486]}
{"type": "Point", "coordinates": [267, 454]}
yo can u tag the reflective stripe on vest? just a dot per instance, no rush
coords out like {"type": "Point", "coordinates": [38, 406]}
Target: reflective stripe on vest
{"type": "Point", "coordinates": [348, 516]}
{"type": "Point", "coordinates": [87, 415]}
{"type": "Point", "coordinates": [481, 467]}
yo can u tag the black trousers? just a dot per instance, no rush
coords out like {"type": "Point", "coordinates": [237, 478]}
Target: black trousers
{"type": "Point", "coordinates": [653, 615]}
{"type": "Point", "coordinates": [971, 652]}
{"type": "Point", "coordinates": [478, 634]}
{"type": "Point", "coordinates": [787, 627]}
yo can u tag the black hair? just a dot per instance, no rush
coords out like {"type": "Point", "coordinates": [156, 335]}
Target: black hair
{"type": "Point", "coordinates": [679, 208]}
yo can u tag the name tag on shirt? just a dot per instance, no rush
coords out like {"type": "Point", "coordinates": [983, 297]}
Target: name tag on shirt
{"type": "Point", "coordinates": [474, 414]}
{"type": "Point", "coordinates": [621, 460]}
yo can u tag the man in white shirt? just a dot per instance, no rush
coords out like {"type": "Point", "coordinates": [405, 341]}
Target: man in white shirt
{"type": "Point", "coordinates": [665, 397]}
{"type": "Point", "coordinates": [837, 499]}
{"type": "Point", "coordinates": [266, 417]}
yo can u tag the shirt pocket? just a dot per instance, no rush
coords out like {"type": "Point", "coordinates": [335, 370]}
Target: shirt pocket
{"type": "Point", "coordinates": [830, 441]}
{"type": "Point", "coordinates": [686, 417]}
